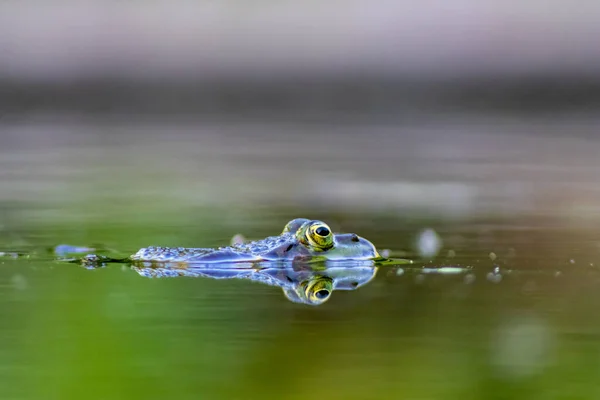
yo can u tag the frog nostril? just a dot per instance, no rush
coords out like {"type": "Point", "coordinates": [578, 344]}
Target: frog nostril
{"type": "Point", "coordinates": [355, 238]}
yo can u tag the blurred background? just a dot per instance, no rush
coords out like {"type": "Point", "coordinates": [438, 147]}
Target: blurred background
{"type": "Point", "coordinates": [438, 108]}
{"type": "Point", "coordinates": [182, 123]}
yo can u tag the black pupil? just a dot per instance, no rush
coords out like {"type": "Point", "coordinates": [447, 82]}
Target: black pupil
{"type": "Point", "coordinates": [321, 294]}
{"type": "Point", "coordinates": [322, 231]}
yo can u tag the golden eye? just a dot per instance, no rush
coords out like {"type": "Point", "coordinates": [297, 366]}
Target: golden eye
{"type": "Point", "coordinates": [318, 290]}
{"type": "Point", "coordinates": [319, 236]}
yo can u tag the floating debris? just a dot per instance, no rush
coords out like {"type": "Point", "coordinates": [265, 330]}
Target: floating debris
{"type": "Point", "coordinates": [493, 256]}
{"type": "Point", "coordinates": [444, 270]}
{"type": "Point", "coordinates": [62, 250]}
{"type": "Point", "coordinates": [9, 254]}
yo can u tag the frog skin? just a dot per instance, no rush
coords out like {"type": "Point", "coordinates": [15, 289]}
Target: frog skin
{"type": "Point", "coordinates": [301, 240]}
{"type": "Point", "coordinates": [304, 284]}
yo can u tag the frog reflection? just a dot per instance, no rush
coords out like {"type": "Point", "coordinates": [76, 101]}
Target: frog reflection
{"type": "Point", "coordinates": [312, 285]}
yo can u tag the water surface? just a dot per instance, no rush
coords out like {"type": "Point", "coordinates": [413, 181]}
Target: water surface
{"type": "Point", "coordinates": [526, 331]}
{"type": "Point", "coordinates": [513, 200]}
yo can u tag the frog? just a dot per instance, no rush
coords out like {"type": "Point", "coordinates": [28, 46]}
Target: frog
{"type": "Point", "coordinates": [301, 240]}
{"type": "Point", "coordinates": [307, 260]}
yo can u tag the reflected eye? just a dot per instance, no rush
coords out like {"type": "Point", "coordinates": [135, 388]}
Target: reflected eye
{"type": "Point", "coordinates": [318, 290]}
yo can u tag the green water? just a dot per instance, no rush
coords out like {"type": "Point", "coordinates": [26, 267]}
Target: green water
{"type": "Point", "coordinates": [523, 190]}
{"type": "Point", "coordinates": [109, 333]}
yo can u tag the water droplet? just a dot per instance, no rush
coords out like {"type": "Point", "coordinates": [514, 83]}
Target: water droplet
{"type": "Point", "coordinates": [469, 278]}
{"type": "Point", "coordinates": [399, 272]}
{"type": "Point", "coordinates": [451, 254]}
{"type": "Point", "coordinates": [429, 243]}
{"type": "Point", "coordinates": [385, 253]}
{"type": "Point", "coordinates": [494, 278]}
{"type": "Point", "coordinates": [238, 239]}
{"type": "Point", "coordinates": [522, 346]}
{"type": "Point", "coordinates": [19, 282]}
{"type": "Point", "coordinates": [492, 256]}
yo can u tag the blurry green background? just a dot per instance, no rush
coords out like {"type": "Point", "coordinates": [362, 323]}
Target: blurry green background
{"type": "Point", "coordinates": [129, 124]}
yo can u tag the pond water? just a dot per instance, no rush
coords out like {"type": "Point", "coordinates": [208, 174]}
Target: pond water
{"type": "Point", "coordinates": [518, 214]}
{"type": "Point", "coordinates": [519, 323]}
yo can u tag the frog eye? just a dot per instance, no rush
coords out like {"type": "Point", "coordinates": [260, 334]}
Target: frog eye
{"type": "Point", "coordinates": [319, 236]}
{"type": "Point", "coordinates": [294, 225]}
{"type": "Point", "coordinates": [318, 290]}
{"type": "Point", "coordinates": [322, 231]}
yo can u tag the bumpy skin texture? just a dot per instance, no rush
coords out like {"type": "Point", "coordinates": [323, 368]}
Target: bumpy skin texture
{"type": "Point", "coordinates": [291, 245]}
{"type": "Point", "coordinates": [269, 249]}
